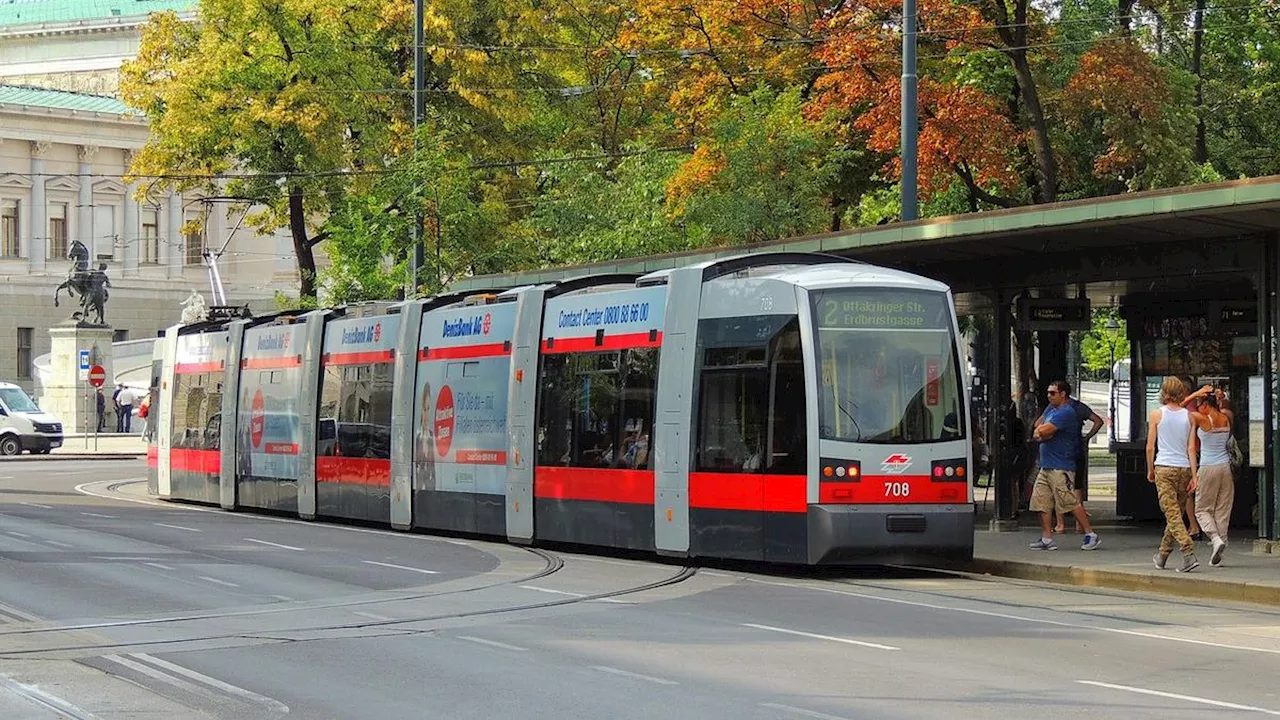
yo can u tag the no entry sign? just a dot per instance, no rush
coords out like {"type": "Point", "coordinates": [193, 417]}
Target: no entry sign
{"type": "Point", "coordinates": [97, 376]}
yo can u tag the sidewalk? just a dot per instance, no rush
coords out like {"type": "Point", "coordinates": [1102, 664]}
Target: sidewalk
{"type": "Point", "coordinates": [75, 447]}
{"type": "Point", "coordinates": [1124, 562]}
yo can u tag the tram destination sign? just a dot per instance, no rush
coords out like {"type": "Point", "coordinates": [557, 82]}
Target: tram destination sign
{"type": "Point", "coordinates": [888, 310]}
{"type": "Point", "coordinates": [1054, 314]}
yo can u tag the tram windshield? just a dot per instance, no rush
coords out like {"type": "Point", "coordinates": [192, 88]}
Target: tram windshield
{"type": "Point", "coordinates": [888, 366]}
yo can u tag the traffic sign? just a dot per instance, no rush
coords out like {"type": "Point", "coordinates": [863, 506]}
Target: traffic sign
{"type": "Point", "coordinates": [97, 376]}
{"type": "Point", "coordinates": [84, 364]}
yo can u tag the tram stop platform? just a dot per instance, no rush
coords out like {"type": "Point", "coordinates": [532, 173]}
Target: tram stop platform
{"type": "Point", "coordinates": [1250, 571]}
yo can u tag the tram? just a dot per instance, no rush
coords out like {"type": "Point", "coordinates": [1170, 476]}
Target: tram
{"type": "Point", "coordinates": [776, 407]}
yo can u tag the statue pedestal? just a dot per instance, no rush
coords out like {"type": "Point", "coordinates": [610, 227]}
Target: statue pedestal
{"type": "Point", "coordinates": [69, 396]}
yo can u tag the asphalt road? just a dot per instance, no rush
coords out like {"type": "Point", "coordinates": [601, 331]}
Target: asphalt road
{"type": "Point", "coordinates": [118, 609]}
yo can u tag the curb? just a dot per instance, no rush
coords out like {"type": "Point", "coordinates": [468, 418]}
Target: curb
{"type": "Point", "coordinates": [73, 456]}
{"type": "Point", "coordinates": [1186, 586]}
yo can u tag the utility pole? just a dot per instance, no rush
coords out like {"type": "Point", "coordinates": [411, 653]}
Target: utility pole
{"type": "Point", "coordinates": [419, 111]}
{"type": "Point", "coordinates": [910, 113]}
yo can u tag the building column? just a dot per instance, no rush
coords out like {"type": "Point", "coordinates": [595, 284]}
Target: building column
{"type": "Point", "coordinates": [132, 227]}
{"type": "Point", "coordinates": [174, 245]}
{"type": "Point", "coordinates": [84, 204]}
{"type": "Point", "coordinates": [38, 247]}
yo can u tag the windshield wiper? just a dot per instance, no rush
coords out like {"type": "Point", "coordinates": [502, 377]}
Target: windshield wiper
{"type": "Point", "coordinates": [852, 419]}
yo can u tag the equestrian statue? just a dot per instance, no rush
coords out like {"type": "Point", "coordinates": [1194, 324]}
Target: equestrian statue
{"type": "Point", "coordinates": [90, 285]}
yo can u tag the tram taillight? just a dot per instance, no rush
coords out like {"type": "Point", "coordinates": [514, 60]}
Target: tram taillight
{"type": "Point", "coordinates": [950, 470]}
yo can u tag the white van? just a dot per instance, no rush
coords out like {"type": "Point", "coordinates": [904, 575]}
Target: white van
{"type": "Point", "coordinates": [24, 426]}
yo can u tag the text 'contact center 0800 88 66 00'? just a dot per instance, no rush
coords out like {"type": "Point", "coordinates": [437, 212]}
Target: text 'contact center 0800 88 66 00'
{"type": "Point", "coordinates": [756, 407]}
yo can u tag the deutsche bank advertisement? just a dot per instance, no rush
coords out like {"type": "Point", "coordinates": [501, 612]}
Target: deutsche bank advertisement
{"type": "Point", "coordinates": [268, 427]}
{"type": "Point", "coordinates": [460, 401]}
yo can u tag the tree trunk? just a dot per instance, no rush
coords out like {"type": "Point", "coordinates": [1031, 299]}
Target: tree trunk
{"type": "Point", "coordinates": [1124, 13]}
{"type": "Point", "coordinates": [1197, 56]}
{"type": "Point", "coordinates": [1046, 164]}
{"type": "Point", "coordinates": [302, 245]}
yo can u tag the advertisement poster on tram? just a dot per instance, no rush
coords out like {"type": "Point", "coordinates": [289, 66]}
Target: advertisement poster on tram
{"type": "Point", "coordinates": [460, 401]}
{"type": "Point", "coordinates": [268, 425]}
{"type": "Point", "coordinates": [616, 313]}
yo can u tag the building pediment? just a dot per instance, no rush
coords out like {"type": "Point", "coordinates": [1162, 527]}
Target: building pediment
{"type": "Point", "coordinates": [14, 181]}
{"type": "Point", "coordinates": [109, 187]}
{"type": "Point", "coordinates": [62, 183]}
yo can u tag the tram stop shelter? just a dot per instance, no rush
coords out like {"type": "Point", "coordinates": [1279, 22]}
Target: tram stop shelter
{"type": "Point", "coordinates": [1193, 270]}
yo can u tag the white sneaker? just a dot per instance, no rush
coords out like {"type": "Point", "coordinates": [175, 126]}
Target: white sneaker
{"type": "Point", "coordinates": [1219, 546]}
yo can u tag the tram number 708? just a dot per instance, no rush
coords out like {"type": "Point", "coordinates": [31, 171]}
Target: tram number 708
{"type": "Point", "coordinates": [897, 489]}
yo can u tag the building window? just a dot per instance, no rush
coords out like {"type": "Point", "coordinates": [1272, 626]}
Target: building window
{"type": "Point", "coordinates": [119, 336]}
{"type": "Point", "coordinates": [195, 247]}
{"type": "Point", "coordinates": [57, 231]}
{"type": "Point", "coordinates": [104, 232]}
{"type": "Point", "coordinates": [150, 254]}
{"type": "Point", "coordinates": [25, 336]}
{"type": "Point", "coordinates": [9, 245]}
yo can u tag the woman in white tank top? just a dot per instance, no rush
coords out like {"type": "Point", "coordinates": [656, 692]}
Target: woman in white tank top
{"type": "Point", "coordinates": [1215, 483]}
{"type": "Point", "coordinates": [1169, 447]}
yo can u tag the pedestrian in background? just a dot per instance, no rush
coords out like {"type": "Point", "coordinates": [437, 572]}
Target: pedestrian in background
{"type": "Point", "coordinates": [127, 398]}
{"type": "Point", "coordinates": [1084, 414]}
{"type": "Point", "coordinates": [1215, 484]}
{"type": "Point", "coordinates": [1169, 467]}
{"type": "Point", "coordinates": [115, 407]}
{"type": "Point", "coordinates": [101, 401]}
{"type": "Point", "coordinates": [1059, 438]}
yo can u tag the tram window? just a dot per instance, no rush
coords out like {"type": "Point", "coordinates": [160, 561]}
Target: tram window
{"type": "Point", "coordinates": [355, 411]}
{"type": "Point", "coordinates": [751, 416]}
{"type": "Point", "coordinates": [596, 409]}
{"type": "Point", "coordinates": [888, 366]}
{"type": "Point", "coordinates": [197, 404]}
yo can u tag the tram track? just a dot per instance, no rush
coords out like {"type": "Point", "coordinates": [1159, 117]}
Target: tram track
{"type": "Point", "coordinates": [554, 564]}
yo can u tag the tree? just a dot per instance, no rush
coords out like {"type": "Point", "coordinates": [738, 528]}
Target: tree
{"type": "Point", "coordinates": [282, 104]}
{"type": "Point", "coordinates": [465, 226]}
{"type": "Point", "coordinates": [763, 173]}
{"type": "Point", "coordinates": [1098, 345]}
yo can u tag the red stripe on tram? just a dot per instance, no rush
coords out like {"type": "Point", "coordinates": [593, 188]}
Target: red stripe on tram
{"type": "Point", "coordinates": [271, 363]}
{"type": "Point", "coordinates": [464, 352]}
{"type": "Point", "coordinates": [208, 462]}
{"type": "Point", "coordinates": [894, 489]}
{"type": "Point", "coordinates": [748, 491]}
{"type": "Point", "coordinates": [355, 471]}
{"type": "Point", "coordinates": [595, 484]}
{"type": "Point", "coordinates": [369, 357]}
{"type": "Point", "coordinates": [624, 341]}
{"type": "Point", "coordinates": [153, 456]}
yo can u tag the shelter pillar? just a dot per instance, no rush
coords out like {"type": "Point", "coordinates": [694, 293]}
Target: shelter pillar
{"type": "Point", "coordinates": [1004, 447]}
{"type": "Point", "coordinates": [1268, 317]}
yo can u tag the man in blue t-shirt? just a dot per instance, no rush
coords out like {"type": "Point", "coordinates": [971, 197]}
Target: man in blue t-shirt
{"type": "Point", "coordinates": [1059, 438]}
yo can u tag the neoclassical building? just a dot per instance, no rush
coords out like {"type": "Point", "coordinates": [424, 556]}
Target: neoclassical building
{"type": "Point", "coordinates": [65, 143]}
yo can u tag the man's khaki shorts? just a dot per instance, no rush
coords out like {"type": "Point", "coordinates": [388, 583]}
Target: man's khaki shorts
{"type": "Point", "coordinates": [1054, 490]}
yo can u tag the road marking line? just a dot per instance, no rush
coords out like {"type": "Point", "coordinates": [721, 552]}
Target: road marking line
{"type": "Point", "coordinates": [281, 598]}
{"type": "Point", "coordinates": [157, 675]}
{"type": "Point", "coordinates": [492, 643]}
{"type": "Point", "coordinates": [634, 676]}
{"type": "Point", "coordinates": [801, 711]}
{"type": "Point", "coordinates": [20, 614]}
{"type": "Point", "coordinates": [177, 527]}
{"type": "Point", "coordinates": [158, 565]}
{"type": "Point", "coordinates": [41, 697]}
{"type": "Point", "coordinates": [35, 505]}
{"type": "Point", "coordinates": [236, 690]}
{"type": "Point", "coordinates": [463, 543]}
{"type": "Point", "coordinates": [1021, 618]}
{"type": "Point", "coordinates": [278, 545]}
{"type": "Point", "coordinates": [400, 567]}
{"type": "Point", "coordinates": [815, 636]}
{"type": "Point", "coordinates": [217, 581]}
{"type": "Point", "coordinates": [15, 533]}
{"type": "Point", "coordinates": [99, 515]}
{"type": "Point", "coordinates": [553, 592]}
{"type": "Point", "coordinates": [1176, 696]}
{"type": "Point", "coordinates": [6, 477]}
{"type": "Point", "coordinates": [372, 616]}
{"type": "Point", "coordinates": [55, 543]}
